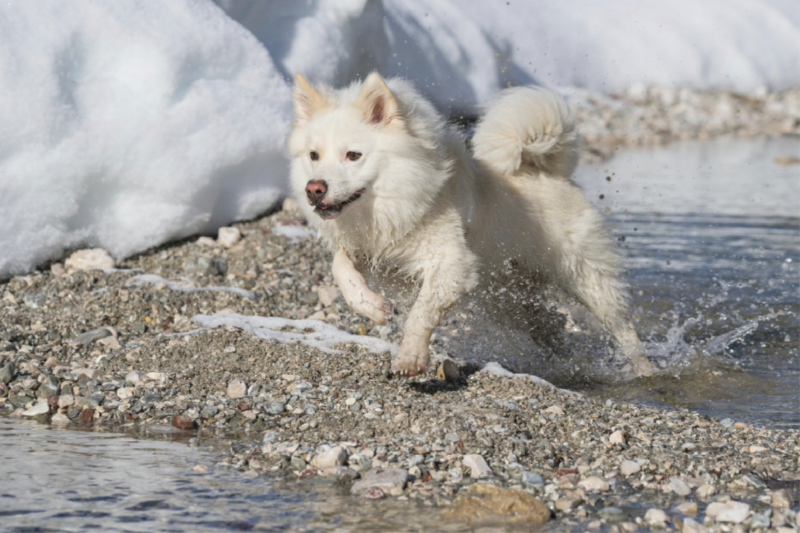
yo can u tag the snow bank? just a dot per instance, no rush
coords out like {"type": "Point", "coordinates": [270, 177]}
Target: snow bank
{"type": "Point", "coordinates": [461, 53]}
{"type": "Point", "coordinates": [127, 124]}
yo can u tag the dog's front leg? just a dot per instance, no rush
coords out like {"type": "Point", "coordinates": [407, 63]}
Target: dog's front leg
{"type": "Point", "coordinates": [356, 292]}
{"type": "Point", "coordinates": [444, 282]}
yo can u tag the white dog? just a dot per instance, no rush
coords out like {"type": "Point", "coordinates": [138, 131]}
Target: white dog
{"type": "Point", "coordinates": [386, 182]}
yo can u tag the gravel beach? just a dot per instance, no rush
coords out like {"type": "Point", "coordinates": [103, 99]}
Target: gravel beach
{"type": "Point", "coordinates": [165, 341]}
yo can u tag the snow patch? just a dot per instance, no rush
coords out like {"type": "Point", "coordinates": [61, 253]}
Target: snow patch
{"type": "Point", "coordinates": [313, 333]}
{"type": "Point", "coordinates": [498, 370]}
{"type": "Point", "coordinates": [138, 281]}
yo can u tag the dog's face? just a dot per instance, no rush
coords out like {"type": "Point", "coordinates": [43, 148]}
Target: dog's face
{"type": "Point", "coordinates": [335, 148]}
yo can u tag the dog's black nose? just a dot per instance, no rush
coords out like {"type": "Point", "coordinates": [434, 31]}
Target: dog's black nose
{"type": "Point", "coordinates": [315, 191]}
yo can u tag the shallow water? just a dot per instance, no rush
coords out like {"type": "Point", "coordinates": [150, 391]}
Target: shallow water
{"type": "Point", "coordinates": [60, 480]}
{"type": "Point", "coordinates": [710, 234]}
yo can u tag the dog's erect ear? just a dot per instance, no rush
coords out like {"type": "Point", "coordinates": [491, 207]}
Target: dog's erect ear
{"type": "Point", "coordinates": [377, 101]}
{"type": "Point", "coordinates": [306, 99]}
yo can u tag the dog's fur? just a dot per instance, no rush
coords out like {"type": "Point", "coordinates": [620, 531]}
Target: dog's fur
{"type": "Point", "coordinates": [417, 202]}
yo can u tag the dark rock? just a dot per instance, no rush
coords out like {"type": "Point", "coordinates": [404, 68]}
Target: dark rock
{"type": "Point", "coordinates": [19, 400]}
{"type": "Point", "coordinates": [182, 422]}
{"type": "Point", "coordinates": [7, 372]}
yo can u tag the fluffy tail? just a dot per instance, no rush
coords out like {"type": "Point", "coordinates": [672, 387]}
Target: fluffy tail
{"type": "Point", "coordinates": [527, 128]}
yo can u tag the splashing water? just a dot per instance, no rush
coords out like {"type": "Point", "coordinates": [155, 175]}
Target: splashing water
{"type": "Point", "coordinates": [709, 235]}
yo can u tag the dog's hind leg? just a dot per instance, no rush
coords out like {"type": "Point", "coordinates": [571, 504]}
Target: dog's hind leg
{"type": "Point", "coordinates": [600, 290]}
{"type": "Point", "coordinates": [357, 293]}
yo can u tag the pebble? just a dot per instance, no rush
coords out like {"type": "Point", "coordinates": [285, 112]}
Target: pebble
{"type": "Point", "coordinates": [687, 508]}
{"type": "Point", "coordinates": [735, 512]}
{"type": "Point", "coordinates": [628, 468]}
{"type": "Point", "coordinates": [275, 408]}
{"type": "Point", "coordinates": [477, 465]}
{"type": "Point", "coordinates": [679, 487]}
{"type": "Point", "coordinates": [200, 469]}
{"type": "Point", "coordinates": [330, 459]}
{"type": "Point", "coordinates": [66, 400]}
{"type": "Point", "coordinates": [782, 499]}
{"type": "Point", "coordinates": [90, 259]}
{"type": "Point", "coordinates": [732, 511]}
{"type": "Point", "coordinates": [134, 377]}
{"type": "Point", "coordinates": [482, 502]}
{"type": "Point", "coordinates": [705, 491]}
{"type": "Point", "coordinates": [656, 518]}
{"type": "Point", "coordinates": [125, 392]}
{"type": "Point", "coordinates": [227, 236]}
{"type": "Point", "coordinates": [618, 437]}
{"type": "Point", "coordinates": [91, 336]}
{"type": "Point", "coordinates": [594, 483]}
{"type": "Point", "coordinates": [448, 371]}
{"type": "Point", "coordinates": [38, 409]}
{"type": "Point", "coordinates": [236, 389]}
{"type": "Point", "coordinates": [7, 372]}
{"type": "Point", "coordinates": [290, 206]}
{"type": "Point", "coordinates": [531, 479]}
{"type": "Point", "coordinates": [392, 481]}
{"type": "Point", "coordinates": [612, 515]}
{"type": "Point", "coordinates": [60, 419]}
{"type": "Point", "coordinates": [373, 493]}
{"type": "Point", "coordinates": [567, 503]}
{"type": "Point", "coordinates": [182, 422]}
{"type": "Point", "coordinates": [345, 475]}
{"type": "Point", "coordinates": [692, 526]}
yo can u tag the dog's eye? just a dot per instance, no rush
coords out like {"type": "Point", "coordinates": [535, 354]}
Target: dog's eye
{"type": "Point", "coordinates": [314, 156]}
{"type": "Point", "coordinates": [353, 156]}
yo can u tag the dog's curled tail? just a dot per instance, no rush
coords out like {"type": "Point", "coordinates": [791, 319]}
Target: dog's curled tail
{"type": "Point", "coordinates": [527, 128]}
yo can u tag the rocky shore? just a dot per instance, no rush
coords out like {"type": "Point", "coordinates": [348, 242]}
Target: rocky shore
{"type": "Point", "coordinates": [657, 115]}
{"type": "Point", "coordinates": [166, 342]}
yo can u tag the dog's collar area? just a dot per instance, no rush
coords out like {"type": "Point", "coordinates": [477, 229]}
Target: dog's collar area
{"type": "Point", "coordinates": [332, 211]}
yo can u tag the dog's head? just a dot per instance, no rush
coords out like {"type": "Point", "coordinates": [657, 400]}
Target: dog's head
{"type": "Point", "coordinates": [336, 144]}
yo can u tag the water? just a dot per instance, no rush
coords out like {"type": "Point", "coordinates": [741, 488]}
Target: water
{"type": "Point", "coordinates": [62, 481]}
{"type": "Point", "coordinates": [710, 234]}
{"type": "Point", "coordinates": [712, 245]}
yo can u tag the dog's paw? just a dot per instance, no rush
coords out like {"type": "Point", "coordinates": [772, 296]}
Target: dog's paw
{"type": "Point", "coordinates": [378, 309]}
{"type": "Point", "coordinates": [410, 362]}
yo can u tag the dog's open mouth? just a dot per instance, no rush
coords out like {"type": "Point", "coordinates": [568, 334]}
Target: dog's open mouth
{"type": "Point", "coordinates": [332, 211]}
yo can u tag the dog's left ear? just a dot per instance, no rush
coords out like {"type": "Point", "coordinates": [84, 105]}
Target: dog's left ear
{"type": "Point", "coordinates": [378, 102]}
{"type": "Point", "coordinates": [306, 99]}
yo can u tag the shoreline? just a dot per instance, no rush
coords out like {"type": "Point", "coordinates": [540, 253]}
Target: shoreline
{"type": "Point", "coordinates": [658, 115]}
{"type": "Point", "coordinates": [109, 348]}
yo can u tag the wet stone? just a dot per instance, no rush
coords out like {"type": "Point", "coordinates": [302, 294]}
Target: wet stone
{"type": "Point", "coordinates": [36, 410]}
{"type": "Point", "coordinates": [150, 398]}
{"type": "Point", "coordinates": [7, 372]}
{"type": "Point", "coordinates": [531, 479]}
{"type": "Point", "coordinates": [391, 481]}
{"type": "Point", "coordinates": [19, 401]}
{"type": "Point", "coordinates": [91, 336]}
{"type": "Point", "coordinates": [94, 400]}
{"type": "Point", "coordinates": [275, 407]}
{"type": "Point", "coordinates": [612, 515]}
